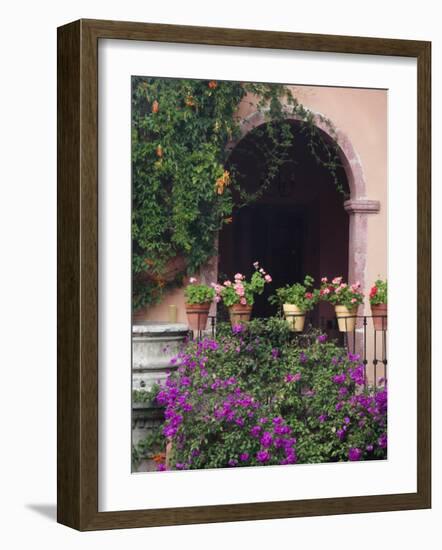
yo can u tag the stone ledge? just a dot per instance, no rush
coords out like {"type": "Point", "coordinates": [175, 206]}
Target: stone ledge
{"type": "Point", "coordinates": [141, 406]}
{"type": "Point", "coordinates": [362, 206]}
{"type": "Point", "coordinates": [154, 366]}
{"type": "Point", "coordinates": [149, 338]}
{"type": "Point", "coordinates": [158, 328]}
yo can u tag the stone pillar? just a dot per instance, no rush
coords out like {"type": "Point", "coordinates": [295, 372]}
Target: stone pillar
{"type": "Point", "coordinates": [359, 210]}
{"type": "Point", "coordinates": [153, 346]}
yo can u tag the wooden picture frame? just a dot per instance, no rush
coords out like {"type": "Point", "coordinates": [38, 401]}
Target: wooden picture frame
{"type": "Point", "coordinates": [77, 461]}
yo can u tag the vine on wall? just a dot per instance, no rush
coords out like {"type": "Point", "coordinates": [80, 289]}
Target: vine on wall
{"type": "Point", "coordinates": [182, 194]}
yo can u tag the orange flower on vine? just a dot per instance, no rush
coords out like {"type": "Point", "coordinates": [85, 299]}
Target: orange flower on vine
{"type": "Point", "coordinates": [159, 458]}
{"type": "Point", "coordinates": [222, 182]}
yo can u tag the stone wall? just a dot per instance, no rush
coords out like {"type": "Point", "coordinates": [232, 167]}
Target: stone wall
{"type": "Point", "coordinates": [153, 346]}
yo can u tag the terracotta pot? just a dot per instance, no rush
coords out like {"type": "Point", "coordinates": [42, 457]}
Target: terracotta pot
{"type": "Point", "coordinates": [380, 316]}
{"type": "Point", "coordinates": [239, 314]}
{"type": "Point", "coordinates": [197, 315]}
{"type": "Point", "coordinates": [346, 318]}
{"type": "Point", "coordinates": [295, 317]}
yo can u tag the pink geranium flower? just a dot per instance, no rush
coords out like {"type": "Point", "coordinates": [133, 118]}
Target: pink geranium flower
{"type": "Point", "coordinates": [239, 289]}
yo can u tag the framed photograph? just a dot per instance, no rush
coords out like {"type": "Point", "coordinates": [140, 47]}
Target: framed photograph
{"type": "Point", "coordinates": [243, 275]}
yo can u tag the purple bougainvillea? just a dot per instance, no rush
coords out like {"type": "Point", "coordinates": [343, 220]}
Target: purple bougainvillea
{"type": "Point", "coordinates": [262, 456]}
{"type": "Point", "coordinates": [354, 454]}
{"type": "Point", "coordinates": [252, 397]}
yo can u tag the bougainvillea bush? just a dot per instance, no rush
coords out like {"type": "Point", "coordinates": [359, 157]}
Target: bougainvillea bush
{"type": "Point", "coordinates": [256, 396]}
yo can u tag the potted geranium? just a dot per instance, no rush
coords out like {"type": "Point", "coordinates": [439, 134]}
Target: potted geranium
{"type": "Point", "coordinates": [198, 300]}
{"type": "Point", "coordinates": [296, 300]}
{"type": "Point", "coordinates": [378, 303]}
{"type": "Point", "coordinates": [239, 295]}
{"type": "Point", "coordinates": [346, 299]}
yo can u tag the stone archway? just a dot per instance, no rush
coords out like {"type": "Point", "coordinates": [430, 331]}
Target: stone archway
{"type": "Point", "coordinates": [358, 206]}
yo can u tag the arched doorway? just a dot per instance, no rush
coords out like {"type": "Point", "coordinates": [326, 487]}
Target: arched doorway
{"type": "Point", "coordinates": [298, 226]}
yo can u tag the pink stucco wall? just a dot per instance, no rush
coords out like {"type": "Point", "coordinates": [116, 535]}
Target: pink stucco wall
{"type": "Point", "coordinates": [361, 116]}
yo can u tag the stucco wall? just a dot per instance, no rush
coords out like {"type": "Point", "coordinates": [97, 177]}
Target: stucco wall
{"type": "Point", "coordinates": [361, 115]}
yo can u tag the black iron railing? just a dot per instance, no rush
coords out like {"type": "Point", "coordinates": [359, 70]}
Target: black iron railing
{"type": "Point", "coordinates": [364, 335]}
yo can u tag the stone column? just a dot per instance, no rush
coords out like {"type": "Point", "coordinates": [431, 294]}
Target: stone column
{"type": "Point", "coordinates": [359, 210]}
{"type": "Point", "coordinates": [153, 346]}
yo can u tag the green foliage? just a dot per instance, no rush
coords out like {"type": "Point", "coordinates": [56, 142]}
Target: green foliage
{"type": "Point", "coordinates": [269, 333]}
{"type": "Point", "coordinates": [145, 396]}
{"type": "Point", "coordinates": [303, 295]}
{"type": "Point", "coordinates": [154, 441]}
{"type": "Point", "coordinates": [379, 293]}
{"type": "Point", "coordinates": [198, 294]}
{"type": "Point", "coordinates": [182, 194]}
{"type": "Point", "coordinates": [178, 154]}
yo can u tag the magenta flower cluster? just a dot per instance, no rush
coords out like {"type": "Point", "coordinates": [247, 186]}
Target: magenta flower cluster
{"type": "Point", "coordinates": [364, 410]}
{"type": "Point", "coordinates": [274, 436]}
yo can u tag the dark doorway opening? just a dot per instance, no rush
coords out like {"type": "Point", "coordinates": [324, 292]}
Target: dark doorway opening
{"type": "Point", "coordinates": [297, 227]}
